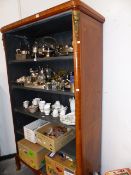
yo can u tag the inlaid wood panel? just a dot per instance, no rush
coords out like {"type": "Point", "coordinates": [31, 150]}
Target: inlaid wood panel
{"type": "Point", "coordinates": [91, 92]}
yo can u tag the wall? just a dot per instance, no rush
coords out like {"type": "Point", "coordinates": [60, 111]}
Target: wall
{"type": "Point", "coordinates": [116, 144]}
{"type": "Point", "coordinates": [116, 135]}
{"type": "Point", "coordinates": [36, 6]}
{"type": "Point", "coordinates": [8, 14]}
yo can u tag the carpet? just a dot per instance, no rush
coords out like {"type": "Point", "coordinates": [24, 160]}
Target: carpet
{"type": "Point", "coordinates": [8, 167]}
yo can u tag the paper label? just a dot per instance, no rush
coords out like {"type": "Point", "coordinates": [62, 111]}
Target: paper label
{"type": "Point", "coordinates": [52, 154]}
{"type": "Point", "coordinates": [31, 153]}
{"type": "Point", "coordinates": [68, 173]}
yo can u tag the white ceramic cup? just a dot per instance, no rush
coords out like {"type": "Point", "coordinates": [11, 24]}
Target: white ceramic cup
{"type": "Point", "coordinates": [47, 112]}
{"type": "Point", "coordinates": [63, 108]}
{"type": "Point", "coordinates": [36, 101]}
{"type": "Point", "coordinates": [41, 107]}
{"type": "Point", "coordinates": [62, 112]}
{"type": "Point", "coordinates": [47, 106]}
{"type": "Point", "coordinates": [26, 104]}
{"type": "Point", "coordinates": [55, 113]}
{"type": "Point", "coordinates": [42, 110]}
{"type": "Point", "coordinates": [57, 105]}
{"type": "Point", "coordinates": [41, 104]}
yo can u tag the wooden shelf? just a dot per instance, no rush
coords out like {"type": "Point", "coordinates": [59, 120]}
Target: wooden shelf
{"type": "Point", "coordinates": [68, 93]}
{"type": "Point", "coordinates": [59, 58]}
{"type": "Point", "coordinates": [39, 115]}
{"type": "Point", "coordinates": [70, 149]}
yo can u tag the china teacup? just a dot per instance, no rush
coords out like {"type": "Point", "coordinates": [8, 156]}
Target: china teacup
{"type": "Point", "coordinates": [56, 105]}
{"type": "Point", "coordinates": [63, 108]}
{"type": "Point", "coordinates": [36, 101]}
{"type": "Point", "coordinates": [41, 104]}
{"type": "Point", "coordinates": [41, 110]}
{"type": "Point", "coordinates": [47, 112]}
{"type": "Point", "coordinates": [62, 112]}
{"type": "Point", "coordinates": [55, 113]}
{"type": "Point", "coordinates": [26, 104]}
{"type": "Point", "coordinates": [47, 106]}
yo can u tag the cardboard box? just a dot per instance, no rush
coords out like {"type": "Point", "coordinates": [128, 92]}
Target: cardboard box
{"type": "Point", "coordinates": [124, 171]}
{"type": "Point", "coordinates": [56, 143]}
{"type": "Point", "coordinates": [32, 154]}
{"type": "Point", "coordinates": [59, 166]}
{"type": "Point", "coordinates": [31, 128]}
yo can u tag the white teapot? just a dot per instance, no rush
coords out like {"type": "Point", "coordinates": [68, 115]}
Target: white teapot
{"type": "Point", "coordinates": [72, 104]}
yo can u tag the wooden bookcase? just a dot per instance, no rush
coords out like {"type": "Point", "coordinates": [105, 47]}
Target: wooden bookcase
{"type": "Point", "coordinates": [77, 22]}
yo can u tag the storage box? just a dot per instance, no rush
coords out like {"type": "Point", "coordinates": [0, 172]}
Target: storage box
{"type": "Point", "coordinates": [59, 165]}
{"type": "Point", "coordinates": [54, 143]}
{"type": "Point", "coordinates": [32, 154]}
{"type": "Point", "coordinates": [125, 171]}
{"type": "Point", "coordinates": [30, 129]}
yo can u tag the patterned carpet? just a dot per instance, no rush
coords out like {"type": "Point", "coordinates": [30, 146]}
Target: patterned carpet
{"type": "Point", "coordinates": [7, 167]}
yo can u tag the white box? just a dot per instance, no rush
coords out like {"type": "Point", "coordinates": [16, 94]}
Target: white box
{"type": "Point", "coordinates": [31, 128]}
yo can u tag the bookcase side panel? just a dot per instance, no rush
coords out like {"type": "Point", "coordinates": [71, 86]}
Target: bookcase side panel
{"type": "Point", "coordinates": [91, 32]}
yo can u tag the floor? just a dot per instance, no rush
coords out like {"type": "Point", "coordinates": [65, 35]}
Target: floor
{"type": "Point", "coordinates": [7, 167]}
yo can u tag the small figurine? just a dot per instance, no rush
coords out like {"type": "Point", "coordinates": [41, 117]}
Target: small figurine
{"type": "Point", "coordinates": [67, 83]}
{"type": "Point", "coordinates": [34, 75]}
{"type": "Point", "coordinates": [48, 72]}
{"type": "Point", "coordinates": [41, 77]}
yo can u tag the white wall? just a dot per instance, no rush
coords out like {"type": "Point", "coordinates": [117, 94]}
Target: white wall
{"type": "Point", "coordinates": [116, 145]}
{"type": "Point", "coordinates": [31, 7]}
{"type": "Point", "coordinates": [116, 139]}
{"type": "Point", "coordinates": [8, 14]}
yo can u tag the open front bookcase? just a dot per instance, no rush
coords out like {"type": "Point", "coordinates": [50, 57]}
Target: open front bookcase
{"type": "Point", "coordinates": [71, 22]}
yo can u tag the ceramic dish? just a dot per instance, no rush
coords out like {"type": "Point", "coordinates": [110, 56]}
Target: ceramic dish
{"type": "Point", "coordinates": [68, 119]}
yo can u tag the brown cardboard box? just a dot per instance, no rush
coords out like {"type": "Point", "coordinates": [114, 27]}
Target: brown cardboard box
{"type": "Point", "coordinates": [53, 144]}
{"type": "Point", "coordinates": [125, 171]}
{"type": "Point", "coordinates": [59, 166]}
{"type": "Point", "coordinates": [32, 154]}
